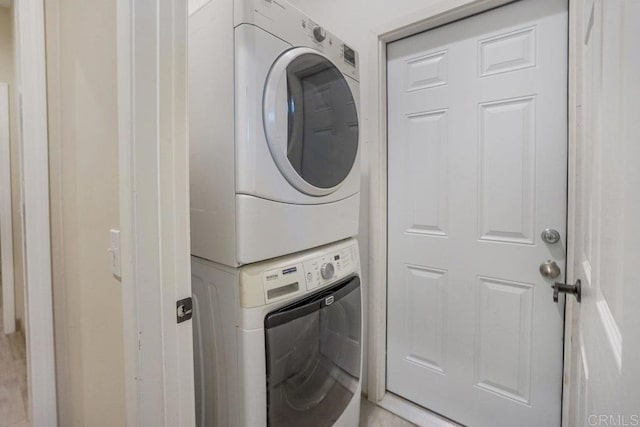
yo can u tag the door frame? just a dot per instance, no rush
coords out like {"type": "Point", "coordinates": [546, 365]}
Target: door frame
{"type": "Point", "coordinates": [154, 211]}
{"type": "Point", "coordinates": [6, 212]}
{"type": "Point", "coordinates": [441, 13]}
{"type": "Point", "coordinates": [31, 79]}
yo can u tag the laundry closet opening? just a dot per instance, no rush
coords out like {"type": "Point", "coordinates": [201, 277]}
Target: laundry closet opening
{"type": "Point", "coordinates": [275, 207]}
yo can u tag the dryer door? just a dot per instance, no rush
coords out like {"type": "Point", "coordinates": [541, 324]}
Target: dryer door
{"type": "Point", "coordinates": [311, 121]}
{"type": "Point", "coordinates": [314, 352]}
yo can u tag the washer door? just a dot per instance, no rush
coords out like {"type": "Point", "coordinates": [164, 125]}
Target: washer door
{"type": "Point", "coordinates": [313, 354]}
{"type": "Point", "coordinates": [310, 121]}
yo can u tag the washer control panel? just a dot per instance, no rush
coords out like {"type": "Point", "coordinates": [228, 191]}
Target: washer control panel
{"type": "Point", "coordinates": [329, 267]}
{"type": "Point", "coordinates": [327, 270]}
{"type": "Point", "coordinates": [289, 277]}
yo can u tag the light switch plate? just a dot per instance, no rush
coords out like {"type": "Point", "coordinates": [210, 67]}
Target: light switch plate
{"type": "Point", "coordinates": [114, 252]}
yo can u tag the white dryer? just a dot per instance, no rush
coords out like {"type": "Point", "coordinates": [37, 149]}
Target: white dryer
{"type": "Point", "coordinates": [274, 132]}
{"type": "Point", "coordinates": [279, 342]}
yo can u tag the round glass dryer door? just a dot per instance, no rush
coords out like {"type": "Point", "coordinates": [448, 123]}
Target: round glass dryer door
{"type": "Point", "coordinates": [310, 121]}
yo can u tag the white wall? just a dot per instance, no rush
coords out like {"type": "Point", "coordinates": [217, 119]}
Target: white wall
{"type": "Point", "coordinates": [354, 21]}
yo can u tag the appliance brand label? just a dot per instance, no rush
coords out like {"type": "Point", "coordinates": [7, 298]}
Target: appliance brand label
{"type": "Point", "coordinates": [289, 270]}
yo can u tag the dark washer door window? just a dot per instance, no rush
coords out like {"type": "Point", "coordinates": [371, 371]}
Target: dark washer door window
{"type": "Point", "coordinates": [321, 120]}
{"type": "Point", "coordinates": [313, 351]}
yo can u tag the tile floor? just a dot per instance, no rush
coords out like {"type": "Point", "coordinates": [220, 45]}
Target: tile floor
{"type": "Point", "coordinates": [374, 416]}
{"type": "Point", "coordinates": [13, 379]}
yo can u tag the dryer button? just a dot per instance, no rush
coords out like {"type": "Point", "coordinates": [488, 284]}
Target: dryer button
{"type": "Point", "coordinates": [319, 33]}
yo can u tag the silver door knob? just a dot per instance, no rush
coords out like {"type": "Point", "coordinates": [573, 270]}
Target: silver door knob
{"type": "Point", "coordinates": [549, 269]}
{"type": "Point", "coordinates": [550, 236]}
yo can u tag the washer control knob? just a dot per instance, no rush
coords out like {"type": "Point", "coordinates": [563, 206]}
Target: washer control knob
{"type": "Point", "coordinates": [319, 33]}
{"type": "Point", "coordinates": [327, 270]}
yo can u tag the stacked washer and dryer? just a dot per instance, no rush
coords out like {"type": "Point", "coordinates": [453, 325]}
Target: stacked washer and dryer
{"type": "Point", "coordinates": [275, 182]}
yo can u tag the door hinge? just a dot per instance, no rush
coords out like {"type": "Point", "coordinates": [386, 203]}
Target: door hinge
{"type": "Point", "coordinates": [184, 309]}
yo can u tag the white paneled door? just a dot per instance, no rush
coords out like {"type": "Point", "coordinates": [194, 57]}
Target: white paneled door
{"type": "Point", "coordinates": [477, 170]}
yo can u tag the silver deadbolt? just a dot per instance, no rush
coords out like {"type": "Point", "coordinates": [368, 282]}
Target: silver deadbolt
{"type": "Point", "coordinates": [549, 270]}
{"type": "Point", "coordinates": [550, 236]}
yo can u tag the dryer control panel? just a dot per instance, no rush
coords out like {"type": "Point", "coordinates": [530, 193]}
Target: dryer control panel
{"type": "Point", "coordinates": [289, 24]}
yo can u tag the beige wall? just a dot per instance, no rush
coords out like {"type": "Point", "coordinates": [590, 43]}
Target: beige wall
{"type": "Point", "coordinates": [82, 89]}
{"type": "Point", "coordinates": [7, 75]}
{"type": "Point", "coordinates": [6, 45]}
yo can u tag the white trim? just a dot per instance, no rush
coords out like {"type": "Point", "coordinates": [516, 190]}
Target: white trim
{"type": "Point", "coordinates": [63, 375]}
{"type": "Point", "coordinates": [414, 413]}
{"type": "Point", "coordinates": [433, 16]}
{"type": "Point", "coordinates": [6, 210]}
{"type": "Point", "coordinates": [29, 24]}
{"type": "Point", "coordinates": [127, 266]}
{"type": "Point", "coordinates": [376, 377]}
{"type": "Point", "coordinates": [154, 211]}
{"type": "Point", "coordinates": [572, 128]}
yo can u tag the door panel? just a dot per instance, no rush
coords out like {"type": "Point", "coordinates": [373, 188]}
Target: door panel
{"type": "Point", "coordinates": [426, 315]}
{"type": "Point", "coordinates": [503, 338]}
{"type": "Point", "coordinates": [507, 171]}
{"type": "Point", "coordinates": [427, 172]}
{"type": "Point", "coordinates": [506, 52]}
{"type": "Point", "coordinates": [477, 169]}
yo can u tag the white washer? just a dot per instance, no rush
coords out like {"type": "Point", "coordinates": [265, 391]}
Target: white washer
{"type": "Point", "coordinates": [274, 132]}
{"type": "Point", "coordinates": [279, 342]}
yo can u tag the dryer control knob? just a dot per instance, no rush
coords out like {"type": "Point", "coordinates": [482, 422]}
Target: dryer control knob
{"type": "Point", "coordinates": [319, 33]}
{"type": "Point", "coordinates": [327, 270]}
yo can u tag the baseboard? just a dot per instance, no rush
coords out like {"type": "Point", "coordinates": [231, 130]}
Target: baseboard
{"type": "Point", "coordinates": [414, 413]}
